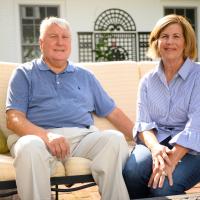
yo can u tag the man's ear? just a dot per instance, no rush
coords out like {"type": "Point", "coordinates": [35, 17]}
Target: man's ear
{"type": "Point", "coordinates": [40, 43]}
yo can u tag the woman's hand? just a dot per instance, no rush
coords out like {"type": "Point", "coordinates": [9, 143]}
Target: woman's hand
{"type": "Point", "coordinates": [169, 171]}
{"type": "Point", "coordinates": [161, 162]}
{"type": "Point", "coordinates": [160, 172]}
{"type": "Point", "coordinates": [160, 155]}
{"type": "Point", "coordinates": [164, 159]}
{"type": "Point", "coordinates": [157, 178]}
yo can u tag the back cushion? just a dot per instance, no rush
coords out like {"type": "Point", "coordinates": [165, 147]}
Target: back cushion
{"type": "Point", "coordinates": [6, 70]}
{"type": "Point", "coordinates": [120, 79]}
{"type": "Point", "coordinates": [146, 66]}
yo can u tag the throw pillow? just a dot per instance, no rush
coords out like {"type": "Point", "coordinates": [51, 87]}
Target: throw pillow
{"type": "Point", "coordinates": [3, 143]}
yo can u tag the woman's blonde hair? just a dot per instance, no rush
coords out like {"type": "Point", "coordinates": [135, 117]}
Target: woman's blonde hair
{"type": "Point", "coordinates": [188, 33]}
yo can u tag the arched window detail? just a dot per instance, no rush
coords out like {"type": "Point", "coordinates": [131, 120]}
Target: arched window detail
{"type": "Point", "coordinates": [114, 20]}
{"type": "Point", "coordinates": [114, 38]}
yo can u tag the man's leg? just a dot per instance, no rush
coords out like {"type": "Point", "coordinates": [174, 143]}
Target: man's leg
{"type": "Point", "coordinates": [108, 151]}
{"type": "Point", "coordinates": [32, 163]}
{"type": "Point", "coordinates": [137, 172]}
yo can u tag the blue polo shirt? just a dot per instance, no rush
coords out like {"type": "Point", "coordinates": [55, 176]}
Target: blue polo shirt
{"type": "Point", "coordinates": [52, 100]}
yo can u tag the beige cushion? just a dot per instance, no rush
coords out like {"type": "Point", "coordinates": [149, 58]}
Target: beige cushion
{"type": "Point", "coordinates": [145, 67]}
{"type": "Point", "coordinates": [120, 79]}
{"type": "Point", "coordinates": [3, 143]}
{"type": "Point", "coordinates": [7, 171]}
{"type": "Point", "coordinates": [6, 70]}
{"type": "Point", "coordinates": [74, 166]}
{"type": "Point", "coordinates": [77, 166]}
{"type": "Point", "coordinates": [59, 170]}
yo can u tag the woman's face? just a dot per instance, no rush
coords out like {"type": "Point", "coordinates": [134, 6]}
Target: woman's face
{"type": "Point", "coordinates": [171, 43]}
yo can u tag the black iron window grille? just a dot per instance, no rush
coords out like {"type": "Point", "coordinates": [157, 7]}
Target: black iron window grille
{"type": "Point", "coordinates": [114, 38]}
{"type": "Point", "coordinates": [114, 46]}
{"type": "Point", "coordinates": [143, 38]}
{"type": "Point", "coordinates": [114, 20]}
{"type": "Point", "coordinates": [85, 46]}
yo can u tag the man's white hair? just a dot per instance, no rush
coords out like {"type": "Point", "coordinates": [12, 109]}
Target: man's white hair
{"type": "Point", "coordinates": [52, 20]}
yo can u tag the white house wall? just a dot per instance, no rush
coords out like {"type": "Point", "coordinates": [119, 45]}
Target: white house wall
{"type": "Point", "coordinates": [81, 14]}
{"type": "Point", "coordinates": [9, 32]}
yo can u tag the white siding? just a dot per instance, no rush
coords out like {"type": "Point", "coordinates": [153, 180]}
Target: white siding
{"type": "Point", "coordinates": [81, 14]}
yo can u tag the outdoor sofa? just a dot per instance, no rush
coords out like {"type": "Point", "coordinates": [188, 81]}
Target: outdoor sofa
{"type": "Point", "coordinates": [119, 78]}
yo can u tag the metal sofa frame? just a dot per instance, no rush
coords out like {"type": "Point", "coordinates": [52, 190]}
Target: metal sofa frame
{"type": "Point", "coordinates": [88, 181]}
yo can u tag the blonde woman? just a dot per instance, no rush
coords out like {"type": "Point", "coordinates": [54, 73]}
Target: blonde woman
{"type": "Point", "coordinates": [166, 159]}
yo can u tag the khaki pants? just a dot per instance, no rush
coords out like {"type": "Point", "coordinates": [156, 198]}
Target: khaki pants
{"type": "Point", "coordinates": [107, 150]}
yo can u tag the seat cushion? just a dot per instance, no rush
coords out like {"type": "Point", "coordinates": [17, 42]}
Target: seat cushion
{"type": "Point", "coordinates": [7, 171]}
{"type": "Point", "coordinates": [77, 166]}
{"type": "Point", "coordinates": [74, 166]}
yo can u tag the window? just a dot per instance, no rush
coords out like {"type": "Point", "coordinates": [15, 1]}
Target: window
{"type": "Point", "coordinates": [189, 13]}
{"type": "Point", "coordinates": [30, 19]}
{"type": "Point", "coordinates": [114, 38]}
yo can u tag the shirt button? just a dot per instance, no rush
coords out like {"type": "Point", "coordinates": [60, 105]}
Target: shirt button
{"type": "Point", "coordinates": [58, 82]}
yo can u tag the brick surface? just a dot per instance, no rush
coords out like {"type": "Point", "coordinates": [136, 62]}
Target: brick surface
{"type": "Point", "coordinates": [93, 194]}
{"type": "Point", "coordinates": [86, 194]}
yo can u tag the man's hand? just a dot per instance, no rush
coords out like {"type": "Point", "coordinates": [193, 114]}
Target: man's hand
{"type": "Point", "coordinates": [18, 123]}
{"type": "Point", "coordinates": [58, 145]}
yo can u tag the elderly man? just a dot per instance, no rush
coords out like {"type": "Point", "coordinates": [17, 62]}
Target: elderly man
{"type": "Point", "coordinates": [50, 103]}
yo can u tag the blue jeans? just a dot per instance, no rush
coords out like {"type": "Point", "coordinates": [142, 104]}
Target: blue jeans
{"type": "Point", "coordinates": [138, 170]}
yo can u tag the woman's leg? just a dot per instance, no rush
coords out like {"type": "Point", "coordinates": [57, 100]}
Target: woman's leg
{"type": "Point", "coordinates": [137, 172]}
{"type": "Point", "coordinates": [185, 176]}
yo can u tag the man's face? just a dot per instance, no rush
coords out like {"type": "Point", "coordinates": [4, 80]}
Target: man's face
{"type": "Point", "coordinates": [55, 44]}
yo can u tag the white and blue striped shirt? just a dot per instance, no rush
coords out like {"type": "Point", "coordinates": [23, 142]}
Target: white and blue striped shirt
{"type": "Point", "coordinates": [172, 109]}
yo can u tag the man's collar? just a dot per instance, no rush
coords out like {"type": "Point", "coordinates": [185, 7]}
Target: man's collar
{"type": "Point", "coordinates": [44, 67]}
